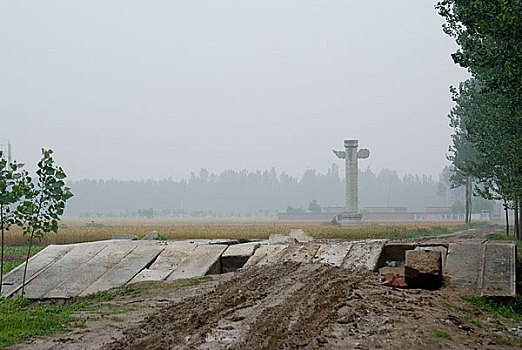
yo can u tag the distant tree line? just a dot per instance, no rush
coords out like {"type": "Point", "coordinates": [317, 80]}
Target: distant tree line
{"type": "Point", "coordinates": [252, 193]}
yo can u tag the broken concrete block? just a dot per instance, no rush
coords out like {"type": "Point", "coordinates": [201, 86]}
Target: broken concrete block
{"type": "Point", "coordinates": [123, 236]}
{"type": "Point", "coordinates": [428, 264]}
{"type": "Point", "coordinates": [152, 235]}
{"type": "Point", "coordinates": [300, 236]}
{"type": "Point", "coordinates": [277, 238]}
{"type": "Point", "coordinates": [438, 248]}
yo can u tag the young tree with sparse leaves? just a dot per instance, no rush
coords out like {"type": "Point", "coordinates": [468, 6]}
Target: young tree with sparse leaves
{"type": "Point", "coordinates": [43, 204]}
{"type": "Point", "coordinates": [10, 194]}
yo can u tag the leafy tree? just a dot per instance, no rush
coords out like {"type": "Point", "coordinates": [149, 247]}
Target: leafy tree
{"type": "Point", "coordinates": [10, 194]}
{"type": "Point", "coordinates": [43, 203]}
{"type": "Point", "coordinates": [462, 153]}
{"type": "Point", "coordinates": [489, 35]}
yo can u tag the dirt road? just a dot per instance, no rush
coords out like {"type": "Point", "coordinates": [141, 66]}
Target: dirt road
{"type": "Point", "coordinates": [292, 306]}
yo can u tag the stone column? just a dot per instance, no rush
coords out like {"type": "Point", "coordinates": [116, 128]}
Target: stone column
{"type": "Point", "coordinates": [351, 155]}
{"type": "Point", "coordinates": [352, 197]}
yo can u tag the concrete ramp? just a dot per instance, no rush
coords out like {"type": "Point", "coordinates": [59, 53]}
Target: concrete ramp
{"type": "Point", "coordinates": [203, 260]}
{"type": "Point", "coordinates": [125, 269]}
{"type": "Point", "coordinates": [91, 271]}
{"type": "Point", "coordinates": [60, 270]}
{"type": "Point", "coordinates": [12, 281]}
{"type": "Point", "coordinates": [168, 261]}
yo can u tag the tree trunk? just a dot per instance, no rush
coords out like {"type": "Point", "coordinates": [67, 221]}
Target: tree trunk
{"type": "Point", "coordinates": [520, 219]}
{"type": "Point", "coordinates": [507, 219]}
{"type": "Point", "coordinates": [2, 254]}
{"type": "Point", "coordinates": [518, 223]}
{"type": "Point", "coordinates": [516, 233]}
{"type": "Point", "coordinates": [26, 262]}
{"type": "Point", "coordinates": [469, 185]}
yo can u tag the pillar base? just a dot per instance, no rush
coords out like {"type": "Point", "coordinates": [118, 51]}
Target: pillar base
{"type": "Point", "coordinates": [351, 219]}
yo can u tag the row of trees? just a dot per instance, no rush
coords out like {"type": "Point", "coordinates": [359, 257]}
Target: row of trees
{"type": "Point", "coordinates": [35, 205]}
{"type": "Point", "coordinates": [256, 193]}
{"type": "Point", "coordinates": [487, 117]}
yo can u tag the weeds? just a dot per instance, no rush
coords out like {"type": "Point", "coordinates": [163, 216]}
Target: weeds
{"type": "Point", "coordinates": [506, 307]}
{"type": "Point", "coordinates": [441, 334]}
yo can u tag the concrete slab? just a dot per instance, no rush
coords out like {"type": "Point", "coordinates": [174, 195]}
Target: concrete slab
{"type": "Point", "coordinates": [301, 236]}
{"type": "Point", "coordinates": [125, 269]}
{"type": "Point", "coordinates": [498, 276]}
{"type": "Point", "coordinates": [331, 254]}
{"type": "Point", "coordinates": [277, 238]}
{"type": "Point", "coordinates": [12, 281]}
{"type": "Point", "coordinates": [365, 255]}
{"type": "Point", "coordinates": [203, 260]}
{"type": "Point", "coordinates": [236, 256]}
{"type": "Point", "coordinates": [463, 263]}
{"type": "Point", "coordinates": [92, 270]}
{"type": "Point", "coordinates": [169, 260]}
{"type": "Point", "coordinates": [60, 270]}
{"type": "Point", "coordinates": [266, 254]}
{"type": "Point", "coordinates": [300, 253]}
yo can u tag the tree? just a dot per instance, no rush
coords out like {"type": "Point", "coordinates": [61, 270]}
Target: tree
{"type": "Point", "coordinates": [462, 154]}
{"type": "Point", "coordinates": [489, 35]}
{"type": "Point", "coordinates": [43, 202]}
{"type": "Point", "coordinates": [10, 194]}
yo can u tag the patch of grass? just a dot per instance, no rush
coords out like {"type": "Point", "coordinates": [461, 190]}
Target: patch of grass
{"type": "Point", "coordinates": [256, 247]}
{"type": "Point", "coordinates": [506, 307]}
{"type": "Point", "coordinates": [441, 334]}
{"type": "Point", "coordinates": [22, 250]}
{"type": "Point", "coordinates": [243, 240]}
{"type": "Point", "coordinates": [509, 341]}
{"type": "Point", "coordinates": [20, 320]}
{"type": "Point", "coordinates": [10, 265]}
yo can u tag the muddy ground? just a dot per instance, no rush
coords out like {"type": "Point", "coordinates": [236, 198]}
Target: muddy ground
{"type": "Point", "coordinates": [290, 306]}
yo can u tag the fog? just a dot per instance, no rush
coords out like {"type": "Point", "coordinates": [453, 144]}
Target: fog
{"type": "Point", "coordinates": [156, 89]}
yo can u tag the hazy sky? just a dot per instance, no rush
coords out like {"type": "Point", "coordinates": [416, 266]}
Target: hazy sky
{"type": "Point", "coordinates": [151, 89]}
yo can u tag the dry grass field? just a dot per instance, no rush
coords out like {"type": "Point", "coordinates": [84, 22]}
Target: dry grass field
{"type": "Point", "coordinates": [84, 230]}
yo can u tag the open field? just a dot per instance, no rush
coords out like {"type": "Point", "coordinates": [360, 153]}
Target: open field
{"type": "Point", "coordinates": [85, 230]}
